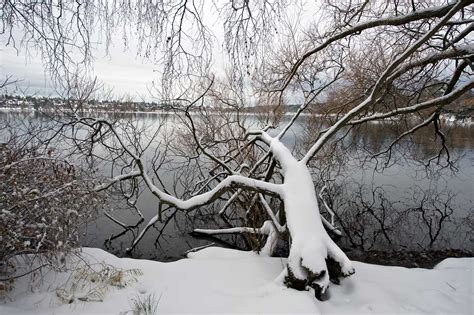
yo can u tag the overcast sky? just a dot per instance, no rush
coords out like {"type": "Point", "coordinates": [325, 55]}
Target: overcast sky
{"type": "Point", "coordinates": [122, 70]}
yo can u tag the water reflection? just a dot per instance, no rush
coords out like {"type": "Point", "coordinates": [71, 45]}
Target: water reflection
{"type": "Point", "coordinates": [398, 181]}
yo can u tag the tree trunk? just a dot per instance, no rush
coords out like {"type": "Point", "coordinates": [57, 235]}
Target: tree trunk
{"type": "Point", "coordinates": [314, 257]}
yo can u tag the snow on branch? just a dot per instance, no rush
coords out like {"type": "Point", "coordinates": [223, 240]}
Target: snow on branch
{"type": "Point", "coordinates": [267, 228]}
{"type": "Point", "coordinates": [423, 105]}
{"type": "Point", "coordinates": [270, 213]}
{"type": "Point", "coordinates": [433, 12]}
{"type": "Point", "coordinates": [117, 179]}
{"type": "Point", "coordinates": [455, 52]}
{"type": "Point", "coordinates": [231, 182]}
{"type": "Point", "coordinates": [381, 82]}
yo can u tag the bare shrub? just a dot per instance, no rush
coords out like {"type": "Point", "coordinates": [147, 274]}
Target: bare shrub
{"type": "Point", "coordinates": [91, 282]}
{"type": "Point", "coordinates": [44, 202]}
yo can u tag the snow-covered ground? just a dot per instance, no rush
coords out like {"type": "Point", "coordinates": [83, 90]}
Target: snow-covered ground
{"type": "Point", "coordinates": [216, 280]}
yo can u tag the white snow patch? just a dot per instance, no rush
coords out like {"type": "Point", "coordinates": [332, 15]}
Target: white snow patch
{"type": "Point", "coordinates": [216, 280]}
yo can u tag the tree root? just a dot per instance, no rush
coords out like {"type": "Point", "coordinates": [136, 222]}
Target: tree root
{"type": "Point", "coordinates": [317, 281]}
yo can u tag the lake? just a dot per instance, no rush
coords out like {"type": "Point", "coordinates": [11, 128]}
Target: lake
{"type": "Point", "coordinates": [400, 181]}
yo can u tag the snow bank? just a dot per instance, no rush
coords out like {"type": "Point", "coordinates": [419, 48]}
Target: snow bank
{"type": "Point", "coordinates": [216, 280]}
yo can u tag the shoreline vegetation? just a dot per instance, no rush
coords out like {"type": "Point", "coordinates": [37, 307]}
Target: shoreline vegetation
{"type": "Point", "coordinates": [447, 118]}
{"type": "Point", "coordinates": [461, 111]}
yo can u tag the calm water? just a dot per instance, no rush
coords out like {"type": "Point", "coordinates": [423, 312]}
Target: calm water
{"type": "Point", "coordinates": [398, 181]}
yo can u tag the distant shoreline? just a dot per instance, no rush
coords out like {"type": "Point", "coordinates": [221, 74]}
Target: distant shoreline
{"type": "Point", "coordinates": [447, 118]}
{"type": "Point", "coordinates": [22, 109]}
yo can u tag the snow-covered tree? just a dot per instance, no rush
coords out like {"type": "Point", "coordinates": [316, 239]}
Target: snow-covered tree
{"type": "Point", "coordinates": [426, 63]}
